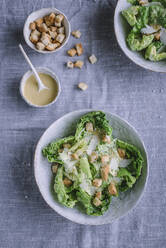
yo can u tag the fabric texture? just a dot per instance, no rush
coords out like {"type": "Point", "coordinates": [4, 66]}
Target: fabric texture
{"type": "Point", "coordinates": [115, 84]}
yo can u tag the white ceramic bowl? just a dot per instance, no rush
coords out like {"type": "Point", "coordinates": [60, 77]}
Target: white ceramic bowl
{"type": "Point", "coordinates": [41, 70]}
{"type": "Point", "coordinates": [41, 13]}
{"type": "Point", "coordinates": [122, 29]}
{"type": "Point", "coordinates": [43, 175]}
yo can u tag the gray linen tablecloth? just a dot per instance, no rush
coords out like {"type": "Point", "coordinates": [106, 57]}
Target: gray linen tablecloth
{"type": "Point", "coordinates": [115, 84]}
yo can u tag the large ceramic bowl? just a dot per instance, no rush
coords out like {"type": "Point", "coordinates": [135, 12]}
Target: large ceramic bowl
{"type": "Point", "coordinates": [119, 206]}
{"type": "Point", "coordinates": [122, 28]}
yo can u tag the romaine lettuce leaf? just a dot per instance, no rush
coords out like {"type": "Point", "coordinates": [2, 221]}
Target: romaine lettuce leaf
{"type": "Point", "coordinates": [127, 180]}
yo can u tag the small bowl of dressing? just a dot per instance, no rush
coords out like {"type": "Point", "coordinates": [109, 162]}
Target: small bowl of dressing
{"type": "Point", "coordinates": [29, 88]}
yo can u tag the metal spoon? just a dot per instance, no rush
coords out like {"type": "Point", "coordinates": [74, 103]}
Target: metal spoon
{"type": "Point", "coordinates": [41, 86]}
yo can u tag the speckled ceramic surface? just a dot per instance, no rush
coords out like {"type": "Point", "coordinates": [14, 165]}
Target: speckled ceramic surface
{"type": "Point", "coordinates": [122, 28]}
{"type": "Point", "coordinates": [41, 13]}
{"type": "Point", "coordinates": [119, 206]}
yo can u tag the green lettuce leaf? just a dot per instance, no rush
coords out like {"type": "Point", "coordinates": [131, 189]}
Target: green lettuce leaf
{"type": "Point", "coordinates": [127, 180]}
{"type": "Point", "coordinates": [66, 199]}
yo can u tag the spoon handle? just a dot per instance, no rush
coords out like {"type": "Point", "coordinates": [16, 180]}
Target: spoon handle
{"type": "Point", "coordinates": [40, 84]}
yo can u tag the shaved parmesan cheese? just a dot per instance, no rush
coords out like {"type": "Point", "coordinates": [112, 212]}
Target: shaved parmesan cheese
{"type": "Point", "coordinates": [87, 187]}
{"type": "Point", "coordinates": [116, 179]}
{"type": "Point", "coordinates": [149, 30]}
{"type": "Point", "coordinates": [124, 162]}
{"type": "Point", "coordinates": [114, 166]}
{"type": "Point", "coordinates": [163, 36]}
{"type": "Point", "coordinates": [68, 163]}
{"type": "Point", "coordinates": [93, 143]}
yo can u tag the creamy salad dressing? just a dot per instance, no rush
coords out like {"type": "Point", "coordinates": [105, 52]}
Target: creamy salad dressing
{"type": "Point", "coordinates": [44, 97]}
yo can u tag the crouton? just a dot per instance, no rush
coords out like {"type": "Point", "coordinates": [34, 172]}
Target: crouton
{"type": "Point", "coordinates": [82, 86]}
{"type": "Point", "coordinates": [51, 18]}
{"type": "Point", "coordinates": [60, 38]}
{"type": "Point", "coordinates": [45, 39]}
{"type": "Point", "coordinates": [43, 28]}
{"type": "Point", "coordinates": [32, 25]}
{"type": "Point", "coordinates": [93, 157]}
{"type": "Point", "coordinates": [97, 182]}
{"type": "Point", "coordinates": [51, 47]}
{"type": "Point", "coordinates": [98, 194]}
{"type": "Point", "coordinates": [79, 64]}
{"type": "Point", "coordinates": [48, 21]}
{"type": "Point", "coordinates": [72, 52]}
{"type": "Point", "coordinates": [92, 59]}
{"type": "Point", "coordinates": [52, 34]}
{"type": "Point", "coordinates": [53, 29]}
{"type": "Point", "coordinates": [70, 64]}
{"type": "Point", "coordinates": [40, 46]}
{"type": "Point", "coordinates": [67, 146]}
{"type": "Point", "coordinates": [121, 153]}
{"type": "Point", "coordinates": [105, 159]}
{"type": "Point", "coordinates": [79, 49]}
{"type": "Point", "coordinates": [61, 30]}
{"type": "Point", "coordinates": [58, 24]}
{"type": "Point", "coordinates": [75, 156]}
{"type": "Point", "coordinates": [97, 202]}
{"type": "Point", "coordinates": [105, 172]}
{"type": "Point", "coordinates": [39, 22]}
{"type": "Point", "coordinates": [112, 189]}
{"type": "Point", "coordinates": [54, 168]}
{"type": "Point", "coordinates": [35, 35]}
{"type": "Point", "coordinates": [89, 127]}
{"type": "Point", "coordinates": [76, 34]}
{"type": "Point", "coordinates": [67, 182]}
{"type": "Point", "coordinates": [106, 139]}
{"type": "Point", "coordinates": [59, 18]}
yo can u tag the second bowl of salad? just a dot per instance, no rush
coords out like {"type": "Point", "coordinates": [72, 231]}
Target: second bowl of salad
{"type": "Point", "coordinates": [91, 167]}
{"type": "Point", "coordinates": [140, 28]}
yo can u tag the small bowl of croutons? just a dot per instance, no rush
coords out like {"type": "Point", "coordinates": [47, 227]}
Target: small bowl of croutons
{"type": "Point", "coordinates": [46, 30]}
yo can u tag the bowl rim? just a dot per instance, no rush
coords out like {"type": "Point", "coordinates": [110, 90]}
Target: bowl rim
{"type": "Point", "coordinates": [62, 213]}
{"type": "Point", "coordinates": [31, 45]}
{"type": "Point", "coordinates": [119, 43]}
{"type": "Point", "coordinates": [42, 70]}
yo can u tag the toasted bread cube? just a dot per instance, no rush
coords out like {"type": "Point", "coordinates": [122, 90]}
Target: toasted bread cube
{"type": "Point", "coordinates": [72, 52]}
{"type": "Point", "coordinates": [75, 156]}
{"type": "Point", "coordinates": [52, 34]}
{"type": "Point", "coordinates": [60, 38]}
{"type": "Point", "coordinates": [97, 202]}
{"type": "Point", "coordinates": [56, 43]}
{"type": "Point", "coordinates": [53, 29]}
{"type": "Point", "coordinates": [45, 39]}
{"type": "Point", "coordinates": [97, 182]}
{"type": "Point", "coordinates": [40, 46]}
{"type": "Point", "coordinates": [54, 168]}
{"type": "Point", "coordinates": [106, 139]}
{"type": "Point", "coordinates": [70, 64]}
{"type": "Point", "coordinates": [92, 59]}
{"type": "Point", "coordinates": [67, 182]}
{"type": "Point", "coordinates": [98, 194]}
{"type": "Point", "coordinates": [79, 49]}
{"type": "Point", "coordinates": [122, 153]}
{"type": "Point", "coordinates": [93, 157]}
{"type": "Point", "coordinates": [89, 127]}
{"type": "Point", "coordinates": [79, 64]}
{"type": "Point", "coordinates": [61, 30]}
{"type": "Point", "coordinates": [39, 22]}
{"type": "Point", "coordinates": [105, 158]}
{"type": "Point", "coordinates": [43, 28]}
{"type": "Point", "coordinates": [157, 36]}
{"type": "Point", "coordinates": [58, 24]}
{"type": "Point", "coordinates": [112, 189]}
{"type": "Point", "coordinates": [51, 46]}
{"type": "Point", "coordinates": [59, 18]}
{"type": "Point", "coordinates": [47, 21]}
{"type": "Point", "coordinates": [52, 18]}
{"type": "Point", "coordinates": [35, 35]}
{"type": "Point", "coordinates": [105, 172]}
{"type": "Point", "coordinates": [32, 25]}
{"type": "Point", "coordinates": [76, 34]}
{"type": "Point", "coordinates": [82, 86]}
